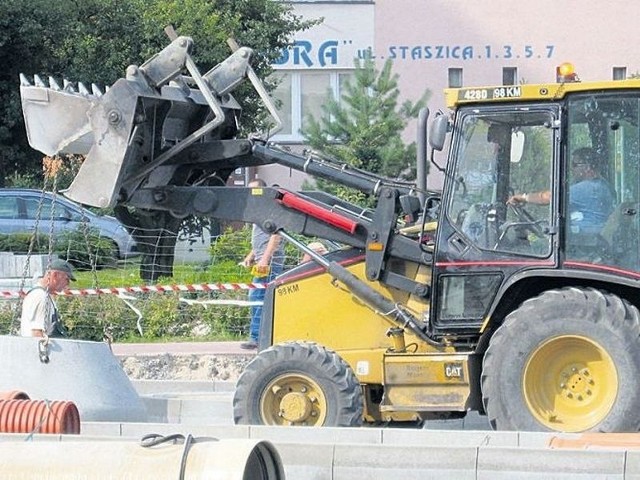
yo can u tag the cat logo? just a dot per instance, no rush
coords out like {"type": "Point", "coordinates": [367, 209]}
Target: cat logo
{"type": "Point", "coordinates": [453, 370]}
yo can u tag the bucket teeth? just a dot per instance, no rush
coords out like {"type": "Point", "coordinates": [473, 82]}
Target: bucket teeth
{"type": "Point", "coordinates": [38, 81]}
{"type": "Point", "coordinates": [95, 89]}
{"type": "Point", "coordinates": [83, 90]}
{"type": "Point", "coordinates": [68, 86]}
{"type": "Point", "coordinates": [24, 81]}
{"type": "Point", "coordinates": [54, 84]}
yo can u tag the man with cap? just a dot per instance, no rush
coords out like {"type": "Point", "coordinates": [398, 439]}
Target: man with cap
{"type": "Point", "coordinates": [39, 313]}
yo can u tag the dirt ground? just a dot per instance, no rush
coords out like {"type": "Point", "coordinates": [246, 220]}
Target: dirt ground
{"type": "Point", "coordinates": [201, 367]}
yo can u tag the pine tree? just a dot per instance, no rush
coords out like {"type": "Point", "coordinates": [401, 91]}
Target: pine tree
{"type": "Point", "coordinates": [364, 127]}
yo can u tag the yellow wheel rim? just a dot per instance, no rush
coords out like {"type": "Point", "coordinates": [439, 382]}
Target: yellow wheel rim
{"type": "Point", "coordinates": [293, 399]}
{"type": "Point", "coordinates": [570, 383]}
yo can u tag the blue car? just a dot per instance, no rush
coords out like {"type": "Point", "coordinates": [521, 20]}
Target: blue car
{"type": "Point", "coordinates": [19, 214]}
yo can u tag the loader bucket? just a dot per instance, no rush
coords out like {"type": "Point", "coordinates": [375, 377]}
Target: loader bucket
{"type": "Point", "coordinates": [135, 133]}
{"type": "Point", "coordinates": [70, 131]}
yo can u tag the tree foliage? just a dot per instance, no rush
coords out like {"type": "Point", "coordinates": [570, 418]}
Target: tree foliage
{"type": "Point", "coordinates": [95, 40]}
{"type": "Point", "coordinates": [364, 127]}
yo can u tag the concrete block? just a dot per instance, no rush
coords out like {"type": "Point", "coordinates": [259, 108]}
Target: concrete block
{"type": "Point", "coordinates": [137, 430]}
{"type": "Point", "coordinates": [23, 437]}
{"type": "Point", "coordinates": [538, 439]}
{"type": "Point", "coordinates": [370, 436]}
{"type": "Point", "coordinates": [150, 387]}
{"type": "Point", "coordinates": [381, 462]}
{"type": "Point", "coordinates": [307, 461]}
{"type": "Point", "coordinates": [113, 429]}
{"type": "Point", "coordinates": [163, 410]}
{"type": "Point", "coordinates": [156, 409]}
{"type": "Point", "coordinates": [96, 438]}
{"type": "Point", "coordinates": [208, 410]}
{"type": "Point", "coordinates": [513, 463]}
{"type": "Point", "coordinates": [85, 373]}
{"type": "Point", "coordinates": [220, 386]}
{"type": "Point", "coordinates": [632, 465]}
{"type": "Point", "coordinates": [401, 436]}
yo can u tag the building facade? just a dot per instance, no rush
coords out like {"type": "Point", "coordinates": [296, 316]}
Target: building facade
{"type": "Point", "coordinates": [435, 44]}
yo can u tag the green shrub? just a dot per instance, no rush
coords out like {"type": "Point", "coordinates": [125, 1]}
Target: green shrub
{"type": "Point", "coordinates": [87, 318]}
{"type": "Point", "coordinates": [232, 244]}
{"type": "Point", "coordinates": [19, 243]}
{"type": "Point", "coordinates": [9, 317]}
{"type": "Point", "coordinates": [83, 251]}
{"type": "Point", "coordinates": [72, 246]}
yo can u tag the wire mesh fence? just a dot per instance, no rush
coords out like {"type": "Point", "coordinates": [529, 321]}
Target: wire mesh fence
{"type": "Point", "coordinates": [204, 298]}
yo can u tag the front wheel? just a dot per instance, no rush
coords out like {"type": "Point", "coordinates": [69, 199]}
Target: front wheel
{"type": "Point", "coordinates": [298, 383]}
{"type": "Point", "coordinates": [568, 360]}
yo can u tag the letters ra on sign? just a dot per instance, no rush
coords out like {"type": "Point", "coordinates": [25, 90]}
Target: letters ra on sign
{"type": "Point", "coordinates": [326, 54]}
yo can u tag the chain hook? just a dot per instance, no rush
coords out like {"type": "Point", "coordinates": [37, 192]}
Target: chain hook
{"type": "Point", "coordinates": [43, 349]}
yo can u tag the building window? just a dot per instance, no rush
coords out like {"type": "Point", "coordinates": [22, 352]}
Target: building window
{"type": "Point", "coordinates": [283, 96]}
{"type": "Point", "coordinates": [314, 90]}
{"type": "Point", "coordinates": [619, 73]}
{"type": "Point", "coordinates": [509, 76]}
{"type": "Point", "coordinates": [455, 77]}
{"type": "Point", "coordinates": [301, 95]}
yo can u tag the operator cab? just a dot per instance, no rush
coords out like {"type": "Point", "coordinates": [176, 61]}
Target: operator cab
{"type": "Point", "coordinates": [546, 178]}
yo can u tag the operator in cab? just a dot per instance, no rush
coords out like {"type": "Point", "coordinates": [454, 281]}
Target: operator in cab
{"type": "Point", "coordinates": [591, 198]}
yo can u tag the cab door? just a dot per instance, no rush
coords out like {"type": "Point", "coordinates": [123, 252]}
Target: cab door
{"type": "Point", "coordinates": [498, 155]}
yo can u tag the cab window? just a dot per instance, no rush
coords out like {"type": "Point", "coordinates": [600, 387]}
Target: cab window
{"type": "Point", "coordinates": [501, 155]}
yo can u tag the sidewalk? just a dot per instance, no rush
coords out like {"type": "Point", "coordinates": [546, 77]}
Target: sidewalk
{"type": "Point", "coordinates": [178, 348]}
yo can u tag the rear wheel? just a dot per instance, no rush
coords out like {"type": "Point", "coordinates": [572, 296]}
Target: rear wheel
{"type": "Point", "coordinates": [568, 360]}
{"type": "Point", "coordinates": [298, 383]}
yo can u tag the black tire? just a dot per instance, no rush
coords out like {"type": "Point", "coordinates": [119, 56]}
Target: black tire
{"type": "Point", "coordinates": [298, 383]}
{"type": "Point", "coordinates": [567, 360]}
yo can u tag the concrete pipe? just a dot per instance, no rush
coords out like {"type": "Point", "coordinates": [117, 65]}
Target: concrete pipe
{"type": "Point", "coordinates": [233, 459]}
{"type": "Point", "coordinates": [86, 373]}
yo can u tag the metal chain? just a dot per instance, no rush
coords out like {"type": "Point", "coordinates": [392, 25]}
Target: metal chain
{"type": "Point", "coordinates": [43, 348]}
{"type": "Point", "coordinates": [54, 189]}
{"type": "Point", "coordinates": [107, 329]}
{"type": "Point", "coordinates": [15, 326]}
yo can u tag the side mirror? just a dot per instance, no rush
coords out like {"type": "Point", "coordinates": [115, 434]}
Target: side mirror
{"type": "Point", "coordinates": [438, 132]}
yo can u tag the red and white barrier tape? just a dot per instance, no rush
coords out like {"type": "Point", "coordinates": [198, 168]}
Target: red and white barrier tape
{"type": "Point", "coordinates": [203, 287]}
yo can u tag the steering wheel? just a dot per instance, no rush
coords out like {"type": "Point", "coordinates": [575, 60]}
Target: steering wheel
{"type": "Point", "coordinates": [526, 219]}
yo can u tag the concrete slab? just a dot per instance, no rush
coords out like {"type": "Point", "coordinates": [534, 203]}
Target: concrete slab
{"type": "Point", "coordinates": [307, 461]}
{"type": "Point", "coordinates": [543, 464]}
{"type": "Point", "coordinates": [381, 462]}
{"type": "Point", "coordinates": [331, 435]}
{"type": "Point", "coordinates": [102, 429]}
{"type": "Point", "coordinates": [138, 430]}
{"type": "Point", "coordinates": [632, 466]}
{"type": "Point", "coordinates": [537, 439]}
{"type": "Point", "coordinates": [213, 408]}
{"type": "Point", "coordinates": [397, 436]}
{"type": "Point", "coordinates": [150, 387]}
{"type": "Point", "coordinates": [23, 437]}
{"type": "Point", "coordinates": [309, 453]}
